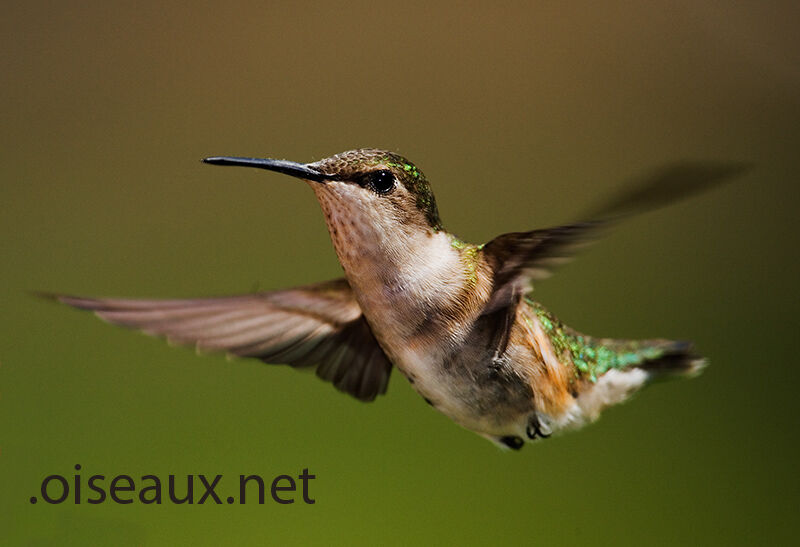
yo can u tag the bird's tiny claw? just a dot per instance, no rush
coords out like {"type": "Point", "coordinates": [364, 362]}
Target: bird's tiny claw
{"type": "Point", "coordinates": [534, 429]}
{"type": "Point", "coordinates": [512, 441]}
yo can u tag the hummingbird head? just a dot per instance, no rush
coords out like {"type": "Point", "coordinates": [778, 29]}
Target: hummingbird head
{"type": "Point", "coordinates": [385, 228]}
{"type": "Point", "coordinates": [377, 186]}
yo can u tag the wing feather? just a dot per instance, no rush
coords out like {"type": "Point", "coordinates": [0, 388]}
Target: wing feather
{"type": "Point", "coordinates": [317, 325]}
{"type": "Point", "coordinates": [518, 259]}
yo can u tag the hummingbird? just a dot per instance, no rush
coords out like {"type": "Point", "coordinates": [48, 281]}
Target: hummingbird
{"type": "Point", "coordinates": [456, 319]}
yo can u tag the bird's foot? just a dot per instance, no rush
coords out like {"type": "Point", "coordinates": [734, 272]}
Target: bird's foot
{"type": "Point", "coordinates": [512, 441]}
{"type": "Point", "coordinates": [536, 430]}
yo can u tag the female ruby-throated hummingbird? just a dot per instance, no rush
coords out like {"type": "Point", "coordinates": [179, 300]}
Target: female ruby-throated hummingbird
{"type": "Point", "coordinates": [455, 319]}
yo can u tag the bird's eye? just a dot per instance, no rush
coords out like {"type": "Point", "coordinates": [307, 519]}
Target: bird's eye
{"type": "Point", "coordinates": [380, 182]}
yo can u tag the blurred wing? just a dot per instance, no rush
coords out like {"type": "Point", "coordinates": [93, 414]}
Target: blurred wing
{"type": "Point", "coordinates": [520, 258]}
{"type": "Point", "coordinates": [318, 325]}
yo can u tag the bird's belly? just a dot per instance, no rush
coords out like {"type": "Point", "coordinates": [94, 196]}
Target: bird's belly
{"type": "Point", "coordinates": [483, 403]}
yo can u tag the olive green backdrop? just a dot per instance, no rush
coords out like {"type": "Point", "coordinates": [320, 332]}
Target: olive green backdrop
{"type": "Point", "coordinates": [521, 116]}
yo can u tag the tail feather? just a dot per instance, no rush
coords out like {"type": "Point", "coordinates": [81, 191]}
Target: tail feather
{"type": "Point", "coordinates": [635, 365]}
{"type": "Point", "coordinates": [594, 357]}
{"type": "Point", "coordinates": [676, 359]}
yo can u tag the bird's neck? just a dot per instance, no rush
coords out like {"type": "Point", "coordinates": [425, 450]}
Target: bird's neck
{"type": "Point", "coordinates": [414, 286]}
{"type": "Point", "coordinates": [404, 281]}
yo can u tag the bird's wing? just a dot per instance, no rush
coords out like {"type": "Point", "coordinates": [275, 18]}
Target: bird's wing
{"type": "Point", "coordinates": [318, 326]}
{"type": "Point", "coordinates": [520, 258]}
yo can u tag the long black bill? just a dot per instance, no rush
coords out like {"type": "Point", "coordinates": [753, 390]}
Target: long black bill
{"type": "Point", "coordinates": [299, 170]}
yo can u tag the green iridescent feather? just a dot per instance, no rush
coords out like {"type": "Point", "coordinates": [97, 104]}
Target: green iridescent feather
{"type": "Point", "coordinates": [593, 357]}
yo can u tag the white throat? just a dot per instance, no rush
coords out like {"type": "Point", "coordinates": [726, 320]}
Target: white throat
{"type": "Point", "coordinates": [398, 275]}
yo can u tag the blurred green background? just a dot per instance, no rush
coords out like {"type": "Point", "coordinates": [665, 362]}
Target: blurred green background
{"type": "Point", "coordinates": [521, 116]}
